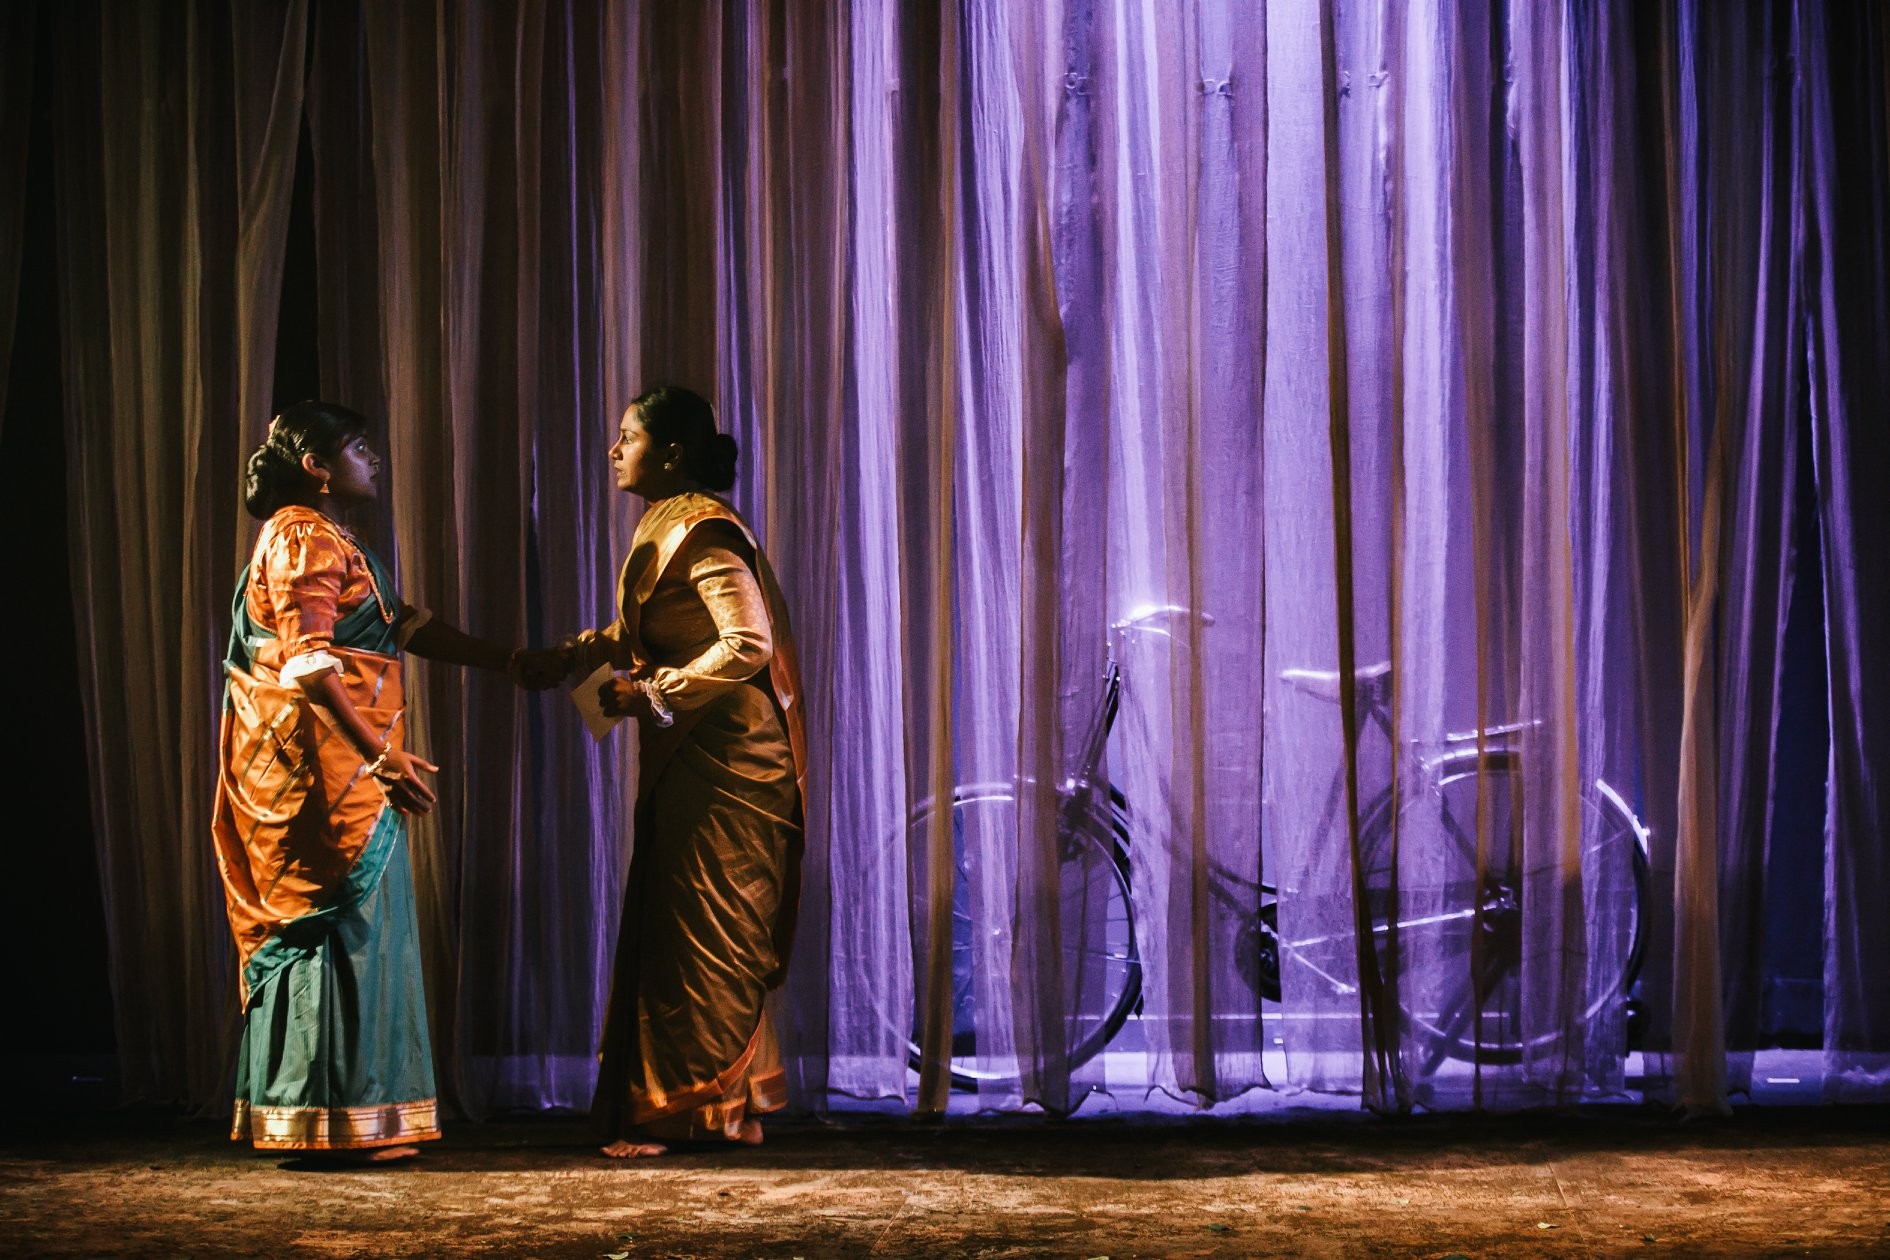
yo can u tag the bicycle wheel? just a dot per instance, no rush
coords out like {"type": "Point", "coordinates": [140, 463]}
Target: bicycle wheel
{"type": "Point", "coordinates": [1462, 938]}
{"type": "Point", "coordinates": [1101, 965]}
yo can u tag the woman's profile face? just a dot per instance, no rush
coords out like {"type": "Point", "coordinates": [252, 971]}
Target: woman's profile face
{"type": "Point", "coordinates": [636, 459]}
{"type": "Point", "coordinates": [354, 471]}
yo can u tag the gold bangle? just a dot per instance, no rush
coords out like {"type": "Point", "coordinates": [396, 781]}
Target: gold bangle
{"type": "Point", "coordinates": [374, 766]}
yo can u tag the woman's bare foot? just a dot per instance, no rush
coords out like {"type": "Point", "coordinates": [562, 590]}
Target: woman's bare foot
{"type": "Point", "coordinates": [385, 1154]}
{"type": "Point", "coordinates": [625, 1149]}
{"type": "Point", "coordinates": [352, 1157]}
{"type": "Point", "coordinates": [751, 1132]}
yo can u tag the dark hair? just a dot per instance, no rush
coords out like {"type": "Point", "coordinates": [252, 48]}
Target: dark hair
{"type": "Point", "coordinates": [274, 476]}
{"type": "Point", "coordinates": [671, 413]}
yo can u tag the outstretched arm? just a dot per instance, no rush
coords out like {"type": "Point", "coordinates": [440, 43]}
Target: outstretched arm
{"type": "Point", "coordinates": [438, 641]}
{"type": "Point", "coordinates": [540, 668]}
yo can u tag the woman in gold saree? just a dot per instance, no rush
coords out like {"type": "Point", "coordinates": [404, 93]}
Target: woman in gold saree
{"type": "Point", "coordinates": [309, 821]}
{"type": "Point", "coordinates": [708, 911]}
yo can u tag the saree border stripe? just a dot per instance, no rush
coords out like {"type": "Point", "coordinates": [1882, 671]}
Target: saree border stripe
{"type": "Point", "coordinates": [723, 1118]}
{"type": "Point", "coordinates": [658, 1104]}
{"type": "Point", "coordinates": [335, 1128]}
{"type": "Point", "coordinates": [386, 734]}
{"type": "Point", "coordinates": [768, 1092]}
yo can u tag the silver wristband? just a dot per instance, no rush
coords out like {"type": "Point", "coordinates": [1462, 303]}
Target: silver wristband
{"type": "Point", "coordinates": [659, 707]}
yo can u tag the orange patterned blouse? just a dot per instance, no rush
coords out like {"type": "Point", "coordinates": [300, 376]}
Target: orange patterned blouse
{"type": "Point", "coordinates": [306, 574]}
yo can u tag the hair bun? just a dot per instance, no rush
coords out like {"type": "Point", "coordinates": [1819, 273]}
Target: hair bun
{"type": "Point", "coordinates": [268, 480]}
{"type": "Point", "coordinates": [719, 454]}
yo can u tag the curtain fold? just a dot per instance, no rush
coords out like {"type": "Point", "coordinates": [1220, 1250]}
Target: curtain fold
{"type": "Point", "coordinates": [929, 577]}
{"type": "Point", "coordinates": [1760, 377]}
{"type": "Point", "coordinates": [402, 50]}
{"type": "Point", "coordinates": [1288, 510]}
{"type": "Point", "coordinates": [871, 1017]}
{"type": "Point", "coordinates": [1045, 981]}
{"type": "Point", "coordinates": [18, 45]}
{"type": "Point", "coordinates": [1844, 93]}
{"type": "Point", "coordinates": [269, 52]}
{"type": "Point", "coordinates": [782, 390]}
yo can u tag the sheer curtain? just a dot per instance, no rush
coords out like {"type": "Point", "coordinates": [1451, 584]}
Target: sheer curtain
{"type": "Point", "coordinates": [1402, 399]}
{"type": "Point", "coordinates": [1843, 206]}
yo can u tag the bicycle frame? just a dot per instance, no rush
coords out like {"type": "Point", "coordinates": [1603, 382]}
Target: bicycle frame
{"type": "Point", "coordinates": [1095, 828]}
{"type": "Point", "coordinates": [1489, 751]}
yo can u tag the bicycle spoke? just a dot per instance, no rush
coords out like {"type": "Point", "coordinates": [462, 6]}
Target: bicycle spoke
{"type": "Point", "coordinates": [1464, 842]}
{"type": "Point", "coordinates": [1428, 920]}
{"type": "Point", "coordinates": [1107, 955]}
{"type": "Point", "coordinates": [1339, 986]}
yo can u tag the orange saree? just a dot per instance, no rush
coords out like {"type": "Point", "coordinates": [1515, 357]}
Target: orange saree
{"type": "Point", "coordinates": [314, 860]}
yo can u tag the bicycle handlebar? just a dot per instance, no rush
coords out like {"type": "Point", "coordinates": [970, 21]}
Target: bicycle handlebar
{"type": "Point", "coordinates": [1139, 617]}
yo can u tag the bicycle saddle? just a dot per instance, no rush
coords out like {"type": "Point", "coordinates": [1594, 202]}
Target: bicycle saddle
{"type": "Point", "coordinates": [1371, 681]}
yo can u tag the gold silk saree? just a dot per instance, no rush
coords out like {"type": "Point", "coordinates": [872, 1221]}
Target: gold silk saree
{"type": "Point", "coordinates": [709, 906]}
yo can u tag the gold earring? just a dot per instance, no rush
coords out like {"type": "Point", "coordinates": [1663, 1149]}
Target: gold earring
{"type": "Point", "coordinates": [324, 489]}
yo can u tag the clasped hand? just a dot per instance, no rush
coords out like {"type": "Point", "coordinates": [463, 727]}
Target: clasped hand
{"type": "Point", "coordinates": [538, 669]}
{"type": "Point", "coordinates": [623, 697]}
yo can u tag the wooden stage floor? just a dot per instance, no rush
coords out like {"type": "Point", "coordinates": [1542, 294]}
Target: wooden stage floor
{"type": "Point", "coordinates": [1608, 1181]}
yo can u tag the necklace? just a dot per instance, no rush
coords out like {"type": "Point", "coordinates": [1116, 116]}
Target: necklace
{"type": "Point", "coordinates": [380, 601]}
{"type": "Point", "coordinates": [387, 614]}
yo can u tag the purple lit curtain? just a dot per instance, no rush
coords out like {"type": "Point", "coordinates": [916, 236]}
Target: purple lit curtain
{"type": "Point", "coordinates": [1407, 398]}
{"type": "Point", "coordinates": [1844, 215]}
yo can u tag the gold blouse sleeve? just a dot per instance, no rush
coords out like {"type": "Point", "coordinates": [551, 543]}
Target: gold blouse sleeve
{"type": "Point", "coordinates": [743, 645]}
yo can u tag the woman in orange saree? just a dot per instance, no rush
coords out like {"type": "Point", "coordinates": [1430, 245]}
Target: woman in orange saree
{"type": "Point", "coordinates": [688, 1051]}
{"type": "Point", "coordinates": [309, 820]}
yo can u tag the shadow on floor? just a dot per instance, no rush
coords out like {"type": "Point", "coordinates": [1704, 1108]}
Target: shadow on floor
{"type": "Point", "coordinates": [1144, 1148]}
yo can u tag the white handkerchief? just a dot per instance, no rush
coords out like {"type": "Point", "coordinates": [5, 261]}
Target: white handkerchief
{"type": "Point", "coordinates": [584, 696]}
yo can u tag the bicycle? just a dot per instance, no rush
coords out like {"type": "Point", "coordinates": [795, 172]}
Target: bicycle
{"type": "Point", "coordinates": [1481, 920]}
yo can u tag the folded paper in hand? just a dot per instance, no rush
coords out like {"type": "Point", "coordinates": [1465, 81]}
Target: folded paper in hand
{"type": "Point", "coordinates": [584, 696]}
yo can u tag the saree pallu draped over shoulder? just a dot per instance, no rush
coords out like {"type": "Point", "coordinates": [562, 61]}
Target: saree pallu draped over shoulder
{"type": "Point", "coordinates": [688, 1050]}
{"type": "Point", "coordinates": [316, 875]}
